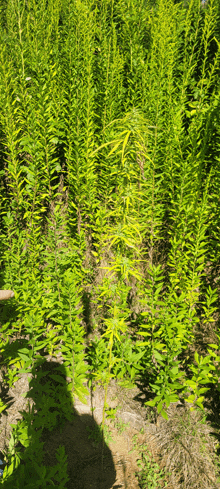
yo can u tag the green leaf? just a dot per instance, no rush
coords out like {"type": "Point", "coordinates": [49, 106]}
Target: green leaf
{"type": "Point", "coordinates": [160, 406]}
{"type": "Point", "coordinates": [24, 357]}
{"type": "Point", "coordinates": [167, 399]}
{"type": "Point", "coordinates": [58, 378]}
{"type": "Point", "coordinates": [158, 356]}
{"type": "Point", "coordinates": [196, 357]}
{"type": "Point", "coordinates": [191, 398]}
{"type": "Point", "coordinates": [164, 414]}
{"type": "Point", "coordinates": [2, 406]}
{"type": "Point", "coordinates": [200, 400]}
{"type": "Point", "coordinates": [150, 403]}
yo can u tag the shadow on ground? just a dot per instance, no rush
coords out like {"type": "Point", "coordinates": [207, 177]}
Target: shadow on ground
{"type": "Point", "coordinates": [56, 446]}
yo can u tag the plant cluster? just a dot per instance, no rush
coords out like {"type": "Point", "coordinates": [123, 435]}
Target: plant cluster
{"type": "Point", "coordinates": [149, 474]}
{"type": "Point", "coordinates": [109, 197]}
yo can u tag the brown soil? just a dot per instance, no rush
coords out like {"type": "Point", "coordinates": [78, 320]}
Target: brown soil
{"type": "Point", "coordinates": [114, 467]}
{"type": "Point", "coordinates": [85, 460]}
{"type": "Point", "coordinates": [88, 466]}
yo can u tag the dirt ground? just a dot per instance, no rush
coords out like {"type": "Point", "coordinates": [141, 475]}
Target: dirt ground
{"type": "Point", "coordinates": [114, 467]}
{"type": "Point", "coordinates": [81, 436]}
{"type": "Point", "coordinates": [120, 461]}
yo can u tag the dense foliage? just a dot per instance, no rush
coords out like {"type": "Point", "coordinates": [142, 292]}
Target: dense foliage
{"type": "Point", "coordinates": [109, 208]}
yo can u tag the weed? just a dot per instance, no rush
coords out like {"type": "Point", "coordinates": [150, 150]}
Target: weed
{"type": "Point", "coordinates": [121, 426]}
{"type": "Point", "coordinates": [95, 434]}
{"type": "Point", "coordinates": [187, 448]}
{"type": "Point", "coordinates": [109, 182]}
{"type": "Point", "coordinates": [149, 475]}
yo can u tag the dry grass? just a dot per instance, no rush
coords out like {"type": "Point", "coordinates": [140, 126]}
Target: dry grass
{"type": "Point", "coordinates": [187, 448]}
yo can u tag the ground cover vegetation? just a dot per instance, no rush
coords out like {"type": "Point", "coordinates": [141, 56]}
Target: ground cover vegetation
{"type": "Point", "coordinates": [109, 206]}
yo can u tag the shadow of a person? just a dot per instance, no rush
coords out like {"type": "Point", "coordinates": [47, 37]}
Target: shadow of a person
{"type": "Point", "coordinates": [56, 446]}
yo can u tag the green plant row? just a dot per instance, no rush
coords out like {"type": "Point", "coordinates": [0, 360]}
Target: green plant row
{"type": "Point", "coordinates": [109, 195]}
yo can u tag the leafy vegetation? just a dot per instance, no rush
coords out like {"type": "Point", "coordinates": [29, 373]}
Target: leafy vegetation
{"type": "Point", "coordinates": [109, 203]}
{"type": "Point", "coordinates": [149, 474]}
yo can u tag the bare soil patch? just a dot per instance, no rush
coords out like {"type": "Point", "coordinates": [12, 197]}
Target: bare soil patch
{"type": "Point", "coordinates": [114, 467]}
